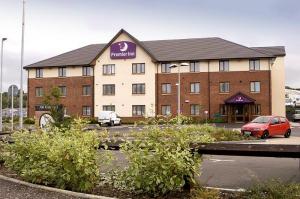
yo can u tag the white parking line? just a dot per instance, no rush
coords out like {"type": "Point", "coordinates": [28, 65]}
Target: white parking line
{"type": "Point", "coordinates": [219, 160]}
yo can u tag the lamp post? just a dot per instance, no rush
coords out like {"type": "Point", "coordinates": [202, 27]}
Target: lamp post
{"type": "Point", "coordinates": [1, 75]}
{"type": "Point", "coordinates": [22, 64]}
{"type": "Point", "coordinates": [178, 88]}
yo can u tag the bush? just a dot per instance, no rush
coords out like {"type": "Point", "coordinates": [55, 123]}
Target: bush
{"type": "Point", "coordinates": [66, 159]}
{"type": "Point", "coordinates": [29, 120]}
{"type": "Point", "coordinates": [160, 161]}
{"type": "Point", "coordinates": [272, 190]}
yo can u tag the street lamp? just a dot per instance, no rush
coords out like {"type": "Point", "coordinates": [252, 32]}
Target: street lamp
{"type": "Point", "coordinates": [178, 88]}
{"type": "Point", "coordinates": [1, 75]}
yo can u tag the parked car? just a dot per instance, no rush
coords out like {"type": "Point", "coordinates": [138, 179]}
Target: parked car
{"type": "Point", "coordinates": [296, 115]}
{"type": "Point", "coordinates": [266, 126]}
{"type": "Point", "coordinates": [109, 117]}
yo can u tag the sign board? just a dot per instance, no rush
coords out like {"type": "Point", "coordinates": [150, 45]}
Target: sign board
{"type": "Point", "coordinates": [123, 50]}
{"type": "Point", "coordinates": [206, 112]}
{"type": "Point", "coordinates": [14, 89]}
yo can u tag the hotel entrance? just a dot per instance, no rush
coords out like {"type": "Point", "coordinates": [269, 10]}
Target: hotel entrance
{"type": "Point", "coordinates": [239, 108]}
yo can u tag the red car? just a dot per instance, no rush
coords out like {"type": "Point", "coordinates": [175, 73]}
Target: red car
{"type": "Point", "coordinates": [266, 126]}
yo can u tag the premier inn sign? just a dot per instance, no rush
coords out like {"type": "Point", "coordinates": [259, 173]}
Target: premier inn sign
{"type": "Point", "coordinates": [123, 50]}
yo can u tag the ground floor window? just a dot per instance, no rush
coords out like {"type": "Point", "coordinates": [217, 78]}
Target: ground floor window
{"type": "Point", "coordinates": [86, 90]}
{"type": "Point", "coordinates": [195, 109]}
{"type": "Point", "coordinates": [86, 111]}
{"type": "Point", "coordinates": [255, 87]}
{"type": "Point", "coordinates": [224, 87]}
{"type": "Point", "coordinates": [138, 110]}
{"type": "Point", "coordinates": [166, 109]}
{"type": "Point", "coordinates": [63, 91]}
{"type": "Point", "coordinates": [256, 109]}
{"type": "Point", "coordinates": [223, 109]}
{"type": "Point", "coordinates": [39, 92]}
{"type": "Point", "coordinates": [108, 108]}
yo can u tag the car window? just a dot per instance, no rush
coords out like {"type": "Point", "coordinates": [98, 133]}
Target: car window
{"type": "Point", "coordinates": [275, 120]}
{"type": "Point", "coordinates": [282, 120]}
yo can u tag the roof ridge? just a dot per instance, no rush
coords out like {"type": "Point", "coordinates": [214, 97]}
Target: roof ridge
{"type": "Point", "coordinates": [245, 47]}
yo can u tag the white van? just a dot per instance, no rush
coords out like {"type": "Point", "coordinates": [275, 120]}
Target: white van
{"type": "Point", "coordinates": [109, 117]}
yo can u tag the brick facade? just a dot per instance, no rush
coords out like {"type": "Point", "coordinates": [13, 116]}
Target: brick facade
{"type": "Point", "coordinates": [74, 100]}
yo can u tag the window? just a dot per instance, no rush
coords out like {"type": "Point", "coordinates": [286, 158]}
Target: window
{"type": "Point", "coordinates": [166, 88]}
{"type": "Point", "coordinates": [255, 87]}
{"type": "Point", "coordinates": [282, 120]}
{"type": "Point", "coordinates": [86, 90]}
{"type": "Point", "coordinates": [109, 69]}
{"type": "Point", "coordinates": [108, 89]}
{"type": "Point", "coordinates": [256, 109]}
{"type": "Point", "coordinates": [165, 68]}
{"type": "Point", "coordinates": [254, 64]}
{"type": "Point", "coordinates": [165, 109]}
{"type": "Point", "coordinates": [195, 109]}
{"type": "Point", "coordinates": [39, 73]}
{"type": "Point", "coordinates": [108, 108]}
{"type": "Point", "coordinates": [223, 109]}
{"type": "Point", "coordinates": [63, 91]}
{"type": "Point", "coordinates": [194, 67]}
{"type": "Point", "coordinates": [224, 87]}
{"type": "Point", "coordinates": [39, 92]}
{"type": "Point", "coordinates": [195, 87]}
{"type": "Point", "coordinates": [275, 120]}
{"type": "Point", "coordinates": [224, 65]}
{"type": "Point", "coordinates": [86, 111]}
{"type": "Point", "coordinates": [138, 68]}
{"type": "Point", "coordinates": [87, 71]}
{"type": "Point", "coordinates": [138, 88]}
{"type": "Point", "coordinates": [138, 110]}
{"type": "Point", "coordinates": [62, 72]}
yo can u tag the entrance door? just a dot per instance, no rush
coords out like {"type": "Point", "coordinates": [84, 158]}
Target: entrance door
{"type": "Point", "coordinates": [239, 112]}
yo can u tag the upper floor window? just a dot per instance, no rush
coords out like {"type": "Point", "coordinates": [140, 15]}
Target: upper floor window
{"type": "Point", "coordinates": [86, 90]}
{"type": "Point", "coordinates": [62, 72]}
{"type": "Point", "coordinates": [108, 89]}
{"type": "Point", "coordinates": [108, 69]}
{"type": "Point", "coordinates": [86, 111]}
{"type": "Point", "coordinates": [224, 65]}
{"type": "Point", "coordinates": [166, 88]}
{"type": "Point", "coordinates": [39, 92]}
{"type": "Point", "coordinates": [138, 110]}
{"type": "Point", "coordinates": [166, 109]}
{"type": "Point", "coordinates": [194, 67]}
{"type": "Point", "coordinates": [39, 73]}
{"type": "Point", "coordinates": [87, 71]}
{"type": "Point", "coordinates": [254, 64]}
{"type": "Point", "coordinates": [195, 109]}
{"type": "Point", "coordinates": [138, 68]}
{"type": "Point", "coordinates": [224, 87]}
{"type": "Point", "coordinates": [138, 88]}
{"type": "Point", "coordinates": [255, 87]}
{"type": "Point", "coordinates": [63, 91]}
{"type": "Point", "coordinates": [108, 108]}
{"type": "Point", "coordinates": [165, 68]}
{"type": "Point", "coordinates": [195, 87]}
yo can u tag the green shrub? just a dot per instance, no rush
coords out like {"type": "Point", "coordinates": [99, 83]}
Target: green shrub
{"type": "Point", "coordinates": [203, 193]}
{"type": "Point", "coordinates": [160, 161]}
{"type": "Point", "coordinates": [29, 120]}
{"type": "Point", "coordinates": [1, 153]}
{"type": "Point", "coordinates": [93, 121]}
{"type": "Point", "coordinates": [273, 189]}
{"type": "Point", "coordinates": [66, 159]}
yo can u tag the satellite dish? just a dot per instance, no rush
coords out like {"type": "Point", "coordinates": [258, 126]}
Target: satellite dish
{"type": "Point", "coordinates": [14, 89]}
{"type": "Point", "coordinates": [45, 120]}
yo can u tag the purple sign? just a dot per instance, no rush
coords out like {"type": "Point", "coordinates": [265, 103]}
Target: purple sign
{"type": "Point", "coordinates": [123, 50]}
{"type": "Point", "coordinates": [239, 99]}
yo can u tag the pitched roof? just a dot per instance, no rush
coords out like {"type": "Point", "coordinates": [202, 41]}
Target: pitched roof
{"type": "Point", "coordinates": [166, 50]}
{"type": "Point", "coordinates": [272, 50]}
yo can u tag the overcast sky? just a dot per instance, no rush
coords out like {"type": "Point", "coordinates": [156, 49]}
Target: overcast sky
{"type": "Point", "coordinates": [57, 26]}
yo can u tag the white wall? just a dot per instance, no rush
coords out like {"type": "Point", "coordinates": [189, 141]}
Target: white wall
{"type": "Point", "coordinates": [72, 71]}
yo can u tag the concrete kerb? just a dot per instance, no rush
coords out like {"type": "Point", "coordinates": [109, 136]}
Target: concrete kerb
{"type": "Point", "coordinates": [61, 191]}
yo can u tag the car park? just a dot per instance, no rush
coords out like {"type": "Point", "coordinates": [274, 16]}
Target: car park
{"type": "Point", "coordinates": [267, 126]}
{"type": "Point", "coordinates": [109, 117]}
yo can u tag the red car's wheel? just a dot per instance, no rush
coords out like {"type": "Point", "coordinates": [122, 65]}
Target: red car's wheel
{"type": "Point", "coordinates": [287, 133]}
{"type": "Point", "coordinates": [265, 135]}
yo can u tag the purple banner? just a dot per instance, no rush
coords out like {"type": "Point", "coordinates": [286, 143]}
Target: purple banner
{"type": "Point", "coordinates": [123, 50]}
{"type": "Point", "coordinates": [239, 99]}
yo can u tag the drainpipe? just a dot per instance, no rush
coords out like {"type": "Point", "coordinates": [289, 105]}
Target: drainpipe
{"type": "Point", "coordinates": [270, 88]}
{"type": "Point", "coordinates": [208, 74]}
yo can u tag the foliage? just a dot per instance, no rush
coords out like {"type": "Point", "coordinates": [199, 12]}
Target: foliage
{"type": "Point", "coordinates": [160, 161]}
{"type": "Point", "coordinates": [169, 119]}
{"type": "Point", "coordinates": [66, 159]}
{"type": "Point", "coordinates": [1, 153]}
{"type": "Point", "coordinates": [273, 189]}
{"type": "Point", "coordinates": [203, 193]}
{"type": "Point", "coordinates": [92, 121]}
{"type": "Point", "coordinates": [29, 120]}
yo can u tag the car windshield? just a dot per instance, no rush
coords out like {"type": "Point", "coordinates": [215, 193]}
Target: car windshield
{"type": "Point", "coordinates": [297, 111]}
{"type": "Point", "coordinates": [261, 120]}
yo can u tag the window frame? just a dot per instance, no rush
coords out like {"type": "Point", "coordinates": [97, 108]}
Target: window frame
{"type": "Point", "coordinates": [62, 71]}
{"type": "Point", "coordinates": [62, 88]}
{"type": "Point", "coordinates": [223, 67]}
{"type": "Point", "coordinates": [112, 108]}
{"type": "Point", "coordinates": [86, 72]}
{"type": "Point", "coordinates": [223, 107]}
{"type": "Point", "coordinates": [220, 90]}
{"type": "Point", "coordinates": [134, 110]}
{"type": "Point", "coordinates": [195, 66]}
{"type": "Point", "coordinates": [112, 69]}
{"type": "Point", "coordinates": [135, 70]}
{"type": "Point", "coordinates": [193, 110]}
{"type": "Point", "coordinates": [166, 67]}
{"type": "Point", "coordinates": [83, 90]}
{"type": "Point", "coordinates": [39, 73]}
{"type": "Point", "coordinates": [254, 68]}
{"type": "Point", "coordinates": [113, 90]}
{"type": "Point", "coordinates": [256, 109]}
{"type": "Point", "coordinates": [193, 87]}
{"type": "Point", "coordinates": [137, 89]}
{"type": "Point", "coordinates": [168, 85]}
{"type": "Point", "coordinates": [86, 110]}
{"type": "Point", "coordinates": [162, 110]}
{"type": "Point", "coordinates": [41, 92]}
{"type": "Point", "coordinates": [254, 87]}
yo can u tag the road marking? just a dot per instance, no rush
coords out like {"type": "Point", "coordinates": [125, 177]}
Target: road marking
{"type": "Point", "coordinates": [219, 160]}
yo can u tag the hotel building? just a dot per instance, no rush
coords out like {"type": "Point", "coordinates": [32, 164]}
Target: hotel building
{"type": "Point", "coordinates": [134, 78]}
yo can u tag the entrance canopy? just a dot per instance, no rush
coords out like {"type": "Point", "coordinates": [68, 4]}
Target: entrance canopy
{"type": "Point", "coordinates": [239, 98]}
